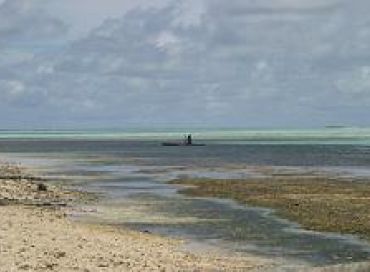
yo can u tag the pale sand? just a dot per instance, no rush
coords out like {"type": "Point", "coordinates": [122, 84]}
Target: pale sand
{"type": "Point", "coordinates": [35, 235]}
{"type": "Point", "coordinates": [38, 239]}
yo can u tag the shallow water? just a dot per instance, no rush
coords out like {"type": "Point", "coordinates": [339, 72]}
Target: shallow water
{"type": "Point", "coordinates": [145, 204]}
{"type": "Point", "coordinates": [131, 176]}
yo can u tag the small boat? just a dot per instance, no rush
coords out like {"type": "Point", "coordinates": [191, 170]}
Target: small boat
{"type": "Point", "coordinates": [172, 144]}
{"type": "Point", "coordinates": [187, 142]}
{"type": "Point", "coordinates": [180, 144]}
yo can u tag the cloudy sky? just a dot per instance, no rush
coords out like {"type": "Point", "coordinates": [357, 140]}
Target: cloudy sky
{"type": "Point", "coordinates": [216, 63]}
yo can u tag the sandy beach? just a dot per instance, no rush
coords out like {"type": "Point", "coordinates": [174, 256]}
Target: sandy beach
{"type": "Point", "coordinates": [36, 235]}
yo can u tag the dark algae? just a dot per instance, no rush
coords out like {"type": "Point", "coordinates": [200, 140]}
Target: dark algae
{"type": "Point", "coordinates": [317, 203]}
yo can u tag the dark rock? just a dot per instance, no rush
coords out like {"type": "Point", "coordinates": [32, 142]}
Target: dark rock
{"type": "Point", "coordinates": [6, 202]}
{"type": "Point", "coordinates": [42, 187]}
{"type": "Point", "coordinates": [60, 254]}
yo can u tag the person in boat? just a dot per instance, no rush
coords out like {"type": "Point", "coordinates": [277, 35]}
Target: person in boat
{"type": "Point", "coordinates": [189, 140]}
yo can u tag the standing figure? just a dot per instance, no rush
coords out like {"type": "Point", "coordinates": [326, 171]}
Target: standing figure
{"type": "Point", "coordinates": [189, 140]}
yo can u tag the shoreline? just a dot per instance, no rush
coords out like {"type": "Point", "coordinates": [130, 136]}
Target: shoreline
{"type": "Point", "coordinates": [37, 235]}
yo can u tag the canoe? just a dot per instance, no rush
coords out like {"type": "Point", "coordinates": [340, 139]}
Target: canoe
{"type": "Point", "coordinates": [180, 144]}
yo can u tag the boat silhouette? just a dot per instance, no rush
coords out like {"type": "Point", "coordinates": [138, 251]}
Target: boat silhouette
{"type": "Point", "coordinates": [188, 141]}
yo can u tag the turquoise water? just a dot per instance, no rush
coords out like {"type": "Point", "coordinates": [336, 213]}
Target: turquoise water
{"type": "Point", "coordinates": [295, 136]}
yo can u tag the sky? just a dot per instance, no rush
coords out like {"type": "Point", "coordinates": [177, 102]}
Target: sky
{"type": "Point", "coordinates": [184, 63]}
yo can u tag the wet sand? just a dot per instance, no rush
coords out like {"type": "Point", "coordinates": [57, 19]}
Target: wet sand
{"type": "Point", "coordinates": [36, 239]}
{"type": "Point", "coordinates": [37, 235]}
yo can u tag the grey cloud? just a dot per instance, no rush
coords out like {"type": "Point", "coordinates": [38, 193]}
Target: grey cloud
{"type": "Point", "coordinates": [219, 62]}
{"type": "Point", "coordinates": [24, 22]}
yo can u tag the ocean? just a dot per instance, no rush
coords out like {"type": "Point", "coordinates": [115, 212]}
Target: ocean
{"type": "Point", "coordinates": [333, 135]}
{"type": "Point", "coordinates": [129, 169]}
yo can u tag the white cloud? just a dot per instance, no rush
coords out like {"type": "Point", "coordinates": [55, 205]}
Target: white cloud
{"type": "Point", "coordinates": [14, 88]}
{"type": "Point", "coordinates": [45, 69]}
{"type": "Point", "coordinates": [355, 86]}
